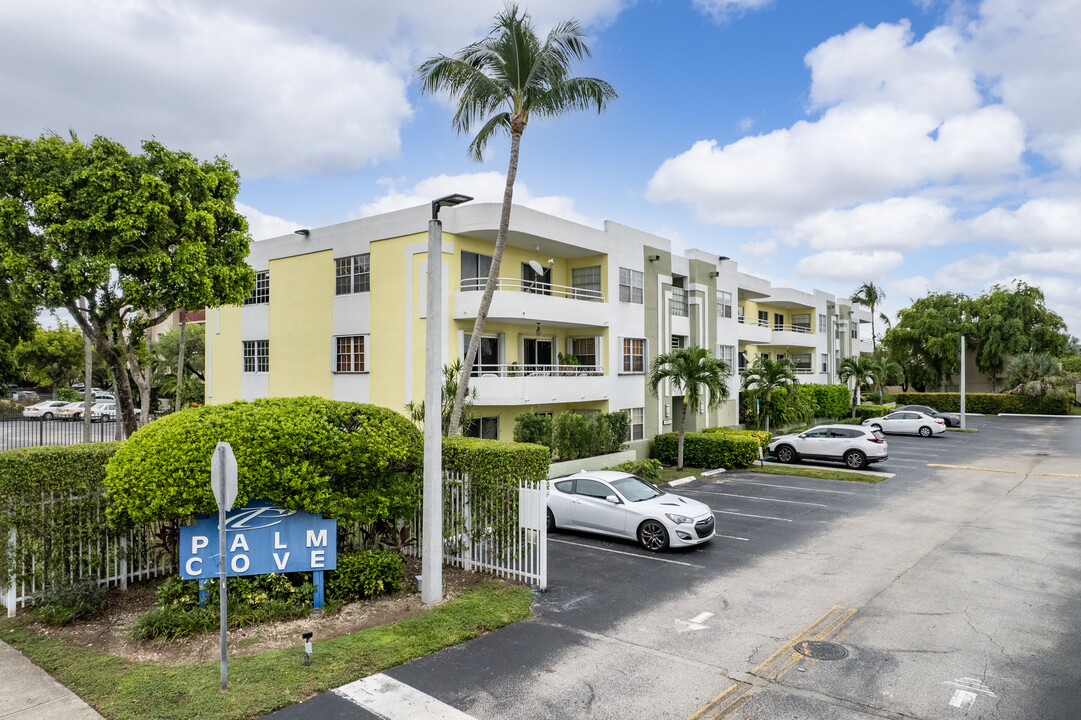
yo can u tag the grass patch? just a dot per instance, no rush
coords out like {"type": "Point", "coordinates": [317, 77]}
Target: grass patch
{"type": "Point", "coordinates": [820, 473]}
{"type": "Point", "coordinates": [121, 689]}
{"type": "Point", "coordinates": [1075, 410]}
{"type": "Point", "coordinates": [953, 429]}
{"type": "Point", "coordinates": [668, 474]}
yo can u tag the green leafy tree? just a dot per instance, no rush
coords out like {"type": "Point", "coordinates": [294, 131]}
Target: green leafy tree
{"type": "Point", "coordinates": [859, 369]}
{"type": "Point", "coordinates": [870, 296]}
{"type": "Point", "coordinates": [926, 339]}
{"type": "Point", "coordinates": [52, 358]}
{"type": "Point", "coordinates": [447, 392]}
{"type": "Point", "coordinates": [500, 83]}
{"type": "Point", "coordinates": [18, 318]}
{"type": "Point", "coordinates": [120, 240]}
{"type": "Point", "coordinates": [1035, 374]}
{"type": "Point", "coordinates": [1010, 321]}
{"type": "Point", "coordinates": [696, 372]}
{"type": "Point", "coordinates": [166, 357]}
{"type": "Point", "coordinates": [765, 375]}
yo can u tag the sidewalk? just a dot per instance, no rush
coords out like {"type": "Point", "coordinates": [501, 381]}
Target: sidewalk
{"type": "Point", "coordinates": [29, 693]}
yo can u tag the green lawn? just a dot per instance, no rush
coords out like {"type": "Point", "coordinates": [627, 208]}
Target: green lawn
{"type": "Point", "coordinates": [813, 472]}
{"type": "Point", "coordinates": [259, 684]}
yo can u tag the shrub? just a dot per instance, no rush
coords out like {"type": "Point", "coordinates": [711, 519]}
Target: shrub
{"type": "Point", "coordinates": [346, 460]}
{"type": "Point", "coordinates": [989, 403]}
{"type": "Point", "coordinates": [572, 435]}
{"type": "Point", "coordinates": [870, 411]}
{"type": "Point", "coordinates": [648, 469]}
{"type": "Point", "coordinates": [63, 604]}
{"type": "Point", "coordinates": [830, 401]}
{"type": "Point", "coordinates": [1071, 364]}
{"type": "Point", "coordinates": [707, 450]}
{"type": "Point", "coordinates": [851, 421]}
{"type": "Point", "coordinates": [533, 428]}
{"type": "Point", "coordinates": [762, 437]}
{"type": "Point", "coordinates": [365, 573]}
{"type": "Point", "coordinates": [68, 394]}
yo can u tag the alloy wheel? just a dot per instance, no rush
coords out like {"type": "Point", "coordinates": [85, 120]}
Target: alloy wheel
{"type": "Point", "coordinates": [653, 536]}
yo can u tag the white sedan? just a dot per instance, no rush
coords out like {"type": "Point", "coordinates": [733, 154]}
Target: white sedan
{"type": "Point", "coordinates": [45, 410]}
{"type": "Point", "coordinates": [908, 421]}
{"type": "Point", "coordinates": [624, 505]}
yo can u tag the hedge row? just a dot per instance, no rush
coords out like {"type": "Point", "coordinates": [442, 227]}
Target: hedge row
{"type": "Point", "coordinates": [707, 450]}
{"type": "Point", "coordinates": [762, 437]}
{"type": "Point", "coordinates": [989, 403]}
{"type": "Point", "coordinates": [870, 411]}
{"type": "Point", "coordinates": [830, 401]}
{"type": "Point", "coordinates": [572, 435]}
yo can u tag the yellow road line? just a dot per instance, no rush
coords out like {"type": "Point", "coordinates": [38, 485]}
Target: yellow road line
{"type": "Point", "coordinates": [736, 695]}
{"type": "Point", "coordinates": [1010, 472]}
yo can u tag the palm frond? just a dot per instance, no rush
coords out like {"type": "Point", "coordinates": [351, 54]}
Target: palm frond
{"type": "Point", "coordinates": [490, 128]}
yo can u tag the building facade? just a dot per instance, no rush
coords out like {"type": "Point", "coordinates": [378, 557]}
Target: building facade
{"type": "Point", "coordinates": [577, 317]}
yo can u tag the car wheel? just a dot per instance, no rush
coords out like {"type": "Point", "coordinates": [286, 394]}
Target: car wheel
{"type": "Point", "coordinates": [786, 454]}
{"type": "Point", "coordinates": [876, 427]}
{"type": "Point", "coordinates": [77, 416]}
{"type": "Point", "coordinates": [925, 431]}
{"type": "Point", "coordinates": [652, 535]}
{"type": "Point", "coordinates": [855, 459]}
{"type": "Point", "coordinates": [551, 521]}
{"type": "Point", "coordinates": [47, 416]}
{"type": "Point", "coordinates": [106, 418]}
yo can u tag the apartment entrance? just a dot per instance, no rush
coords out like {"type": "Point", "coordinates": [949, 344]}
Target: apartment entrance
{"type": "Point", "coordinates": [537, 354]}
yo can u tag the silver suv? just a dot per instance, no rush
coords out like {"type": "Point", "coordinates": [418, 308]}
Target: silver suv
{"type": "Point", "coordinates": [852, 445]}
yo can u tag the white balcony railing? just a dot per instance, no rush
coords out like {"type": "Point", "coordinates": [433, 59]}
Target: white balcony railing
{"type": "Point", "coordinates": [533, 286]}
{"type": "Point", "coordinates": [780, 327]}
{"type": "Point", "coordinates": [488, 370]}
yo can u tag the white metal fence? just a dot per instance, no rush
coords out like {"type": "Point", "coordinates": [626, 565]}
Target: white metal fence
{"type": "Point", "coordinates": [500, 531]}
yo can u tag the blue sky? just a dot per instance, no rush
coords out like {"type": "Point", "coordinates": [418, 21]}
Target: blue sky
{"type": "Point", "coordinates": [920, 144]}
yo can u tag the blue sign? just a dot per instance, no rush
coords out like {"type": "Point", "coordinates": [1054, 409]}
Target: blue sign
{"type": "Point", "coordinates": [260, 538]}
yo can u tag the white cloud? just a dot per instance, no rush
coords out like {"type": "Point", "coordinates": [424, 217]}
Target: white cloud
{"type": "Point", "coordinates": [263, 226]}
{"type": "Point", "coordinates": [900, 223]}
{"type": "Point", "coordinates": [846, 264]}
{"type": "Point", "coordinates": [1043, 222]}
{"type": "Point", "coordinates": [722, 10]}
{"type": "Point", "coordinates": [760, 249]}
{"type": "Point", "coordinates": [969, 273]}
{"type": "Point", "coordinates": [901, 290]}
{"type": "Point", "coordinates": [483, 186]}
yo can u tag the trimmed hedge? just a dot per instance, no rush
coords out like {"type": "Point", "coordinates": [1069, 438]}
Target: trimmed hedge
{"type": "Point", "coordinates": [495, 460]}
{"type": "Point", "coordinates": [762, 437]}
{"type": "Point", "coordinates": [870, 411]}
{"type": "Point", "coordinates": [572, 435]}
{"type": "Point", "coordinates": [365, 573]}
{"type": "Point", "coordinates": [346, 460]}
{"type": "Point", "coordinates": [707, 450]}
{"type": "Point", "coordinates": [989, 403]}
{"type": "Point", "coordinates": [830, 401]}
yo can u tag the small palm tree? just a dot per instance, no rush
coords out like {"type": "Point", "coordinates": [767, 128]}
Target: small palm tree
{"type": "Point", "coordinates": [861, 369]}
{"type": "Point", "coordinates": [1035, 374]}
{"type": "Point", "coordinates": [885, 371]}
{"type": "Point", "coordinates": [447, 393]}
{"type": "Point", "coordinates": [698, 373]}
{"type": "Point", "coordinates": [870, 295]}
{"type": "Point", "coordinates": [765, 375]}
{"type": "Point", "coordinates": [499, 83]}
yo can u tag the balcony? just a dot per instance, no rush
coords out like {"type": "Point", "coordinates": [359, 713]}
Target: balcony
{"type": "Point", "coordinates": [516, 384]}
{"type": "Point", "coordinates": [800, 335]}
{"type": "Point", "coordinates": [529, 301]}
{"type": "Point", "coordinates": [754, 332]}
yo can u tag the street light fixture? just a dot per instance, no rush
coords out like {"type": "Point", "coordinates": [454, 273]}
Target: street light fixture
{"type": "Point", "coordinates": [431, 562]}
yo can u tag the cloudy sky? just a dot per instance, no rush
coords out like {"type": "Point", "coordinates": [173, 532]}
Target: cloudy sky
{"type": "Point", "coordinates": [919, 144]}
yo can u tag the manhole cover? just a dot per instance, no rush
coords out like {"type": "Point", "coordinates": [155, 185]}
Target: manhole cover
{"type": "Point", "coordinates": [1041, 454]}
{"type": "Point", "coordinates": [821, 650]}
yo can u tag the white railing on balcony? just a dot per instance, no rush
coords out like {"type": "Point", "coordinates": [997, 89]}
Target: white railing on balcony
{"type": "Point", "coordinates": [781, 327]}
{"type": "Point", "coordinates": [518, 370]}
{"type": "Point", "coordinates": [533, 286]}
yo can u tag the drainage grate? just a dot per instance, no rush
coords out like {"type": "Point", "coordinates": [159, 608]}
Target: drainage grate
{"type": "Point", "coordinates": [1042, 454]}
{"type": "Point", "coordinates": [821, 650]}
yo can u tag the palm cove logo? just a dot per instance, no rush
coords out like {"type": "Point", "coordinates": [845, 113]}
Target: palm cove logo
{"type": "Point", "coordinates": [246, 518]}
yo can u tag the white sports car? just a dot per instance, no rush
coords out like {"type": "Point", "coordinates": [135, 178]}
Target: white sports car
{"type": "Point", "coordinates": [624, 505]}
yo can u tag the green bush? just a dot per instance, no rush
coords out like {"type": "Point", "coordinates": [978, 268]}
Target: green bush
{"type": "Point", "coordinates": [851, 421]}
{"type": "Point", "coordinates": [648, 469]}
{"type": "Point", "coordinates": [870, 411]}
{"type": "Point", "coordinates": [349, 461]}
{"type": "Point", "coordinates": [830, 401]}
{"type": "Point", "coordinates": [63, 604]}
{"type": "Point", "coordinates": [1071, 364]}
{"type": "Point", "coordinates": [68, 395]}
{"type": "Point", "coordinates": [533, 428]}
{"type": "Point", "coordinates": [707, 450]}
{"type": "Point", "coordinates": [762, 437]}
{"type": "Point", "coordinates": [989, 403]}
{"type": "Point", "coordinates": [572, 435]}
{"type": "Point", "coordinates": [365, 573]}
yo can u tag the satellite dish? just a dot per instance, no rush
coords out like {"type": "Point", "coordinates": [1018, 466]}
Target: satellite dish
{"type": "Point", "coordinates": [537, 267]}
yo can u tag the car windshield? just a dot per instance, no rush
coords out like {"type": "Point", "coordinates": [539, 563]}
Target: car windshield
{"type": "Point", "coordinates": [636, 489]}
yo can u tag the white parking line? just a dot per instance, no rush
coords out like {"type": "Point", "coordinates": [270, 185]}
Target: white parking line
{"type": "Point", "coordinates": [621, 552]}
{"type": "Point", "coordinates": [390, 699]}
{"type": "Point", "coordinates": [763, 517]}
{"type": "Point", "coordinates": [791, 487]}
{"type": "Point", "coordinates": [758, 497]}
{"type": "Point", "coordinates": [730, 537]}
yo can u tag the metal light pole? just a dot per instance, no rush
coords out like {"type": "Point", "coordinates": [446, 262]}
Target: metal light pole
{"type": "Point", "coordinates": [962, 381]}
{"type": "Point", "coordinates": [431, 562]}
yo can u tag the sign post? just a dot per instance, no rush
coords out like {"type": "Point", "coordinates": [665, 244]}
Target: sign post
{"type": "Point", "coordinates": [223, 484]}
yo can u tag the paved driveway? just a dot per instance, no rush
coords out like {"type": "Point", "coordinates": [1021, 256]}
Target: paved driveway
{"type": "Point", "coordinates": [951, 589]}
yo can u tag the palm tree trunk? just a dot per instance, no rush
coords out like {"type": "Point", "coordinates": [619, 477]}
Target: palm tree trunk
{"type": "Point", "coordinates": [180, 360]}
{"type": "Point", "coordinates": [874, 344]}
{"type": "Point", "coordinates": [517, 127]}
{"type": "Point", "coordinates": [769, 397]}
{"type": "Point", "coordinates": [855, 398]}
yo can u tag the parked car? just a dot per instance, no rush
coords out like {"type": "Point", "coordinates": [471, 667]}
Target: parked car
{"type": "Point", "coordinates": [907, 421]}
{"type": "Point", "coordinates": [951, 419]}
{"type": "Point", "coordinates": [44, 410]}
{"type": "Point", "coordinates": [623, 505]}
{"type": "Point", "coordinates": [102, 411]}
{"type": "Point", "coordinates": [71, 411]}
{"type": "Point", "coordinates": [852, 445]}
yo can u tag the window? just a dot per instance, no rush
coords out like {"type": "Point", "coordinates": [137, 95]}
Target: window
{"type": "Point", "coordinates": [821, 323]}
{"type": "Point", "coordinates": [634, 355]}
{"type": "Point", "coordinates": [802, 361]}
{"type": "Point", "coordinates": [763, 318]}
{"type": "Point", "coordinates": [585, 349]}
{"type": "Point", "coordinates": [256, 356]}
{"type": "Point", "coordinates": [740, 310]}
{"type": "Point", "coordinates": [744, 361]}
{"type": "Point", "coordinates": [589, 280]}
{"type": "Point", "coordinates": [352, 274]}
{"type": "Point", "coordinates": [778, 321]}
{"type": "Point", "coordinates": [679, 342]}
{"type": "Point", "coordinates": [260, 294]}
{"type": "Point", "coordinates": [592, 488]}
{"type": "Point", "coordinates": [485, 427]}
{"type": "Point", "coordinates": [349, 354]}
{"type": "Point", "coordinates": [487, 360]}
{"type": "Point", "coordinates": [536, 282]}
{"type": "Point", "coordinates": [679, 302]}
{"type": "Point", "coordinates": [724, 304]}
{"type": "Point", "coordinates": [825, 362]}
{"type": "Point", "coordinates": [630, 286]}
{"type": "Point", "coordinates": [636, 423]}
{"type": "Point", "coordinates": [801, 322]}
{"type": "Point", "coordinates": [475, 269]}
{"type": "Point", "coordinates": [727, 355]}
{"type": "Point", "coordinates": [855, 332]}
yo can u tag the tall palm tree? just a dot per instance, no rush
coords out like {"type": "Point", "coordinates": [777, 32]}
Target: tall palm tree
{"type": "Point", "coordinates": [870, 295]}
{"type": "Point", "coordinates": [696, 371]}
{"type": "Point", "coordinates": [765, 376]}
{"type": "Point", "coordinates": [859, 368]}
{"type": "Point", "coordinates": [502, 81]}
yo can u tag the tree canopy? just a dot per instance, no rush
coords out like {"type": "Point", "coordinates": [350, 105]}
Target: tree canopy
{"type": "Point", "coordinates": [764, 376]}
{"type": "Point", "coordinates": [120, 240]}
{"type": "Point", "coordinates": [695, 372]}
{"type": "Point", "coordinates": [17, 323]}
{"type": "Point", "coordinates": [52, 358]}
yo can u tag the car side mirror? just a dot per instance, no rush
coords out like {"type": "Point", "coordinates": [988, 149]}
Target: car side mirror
{"type": "Point", "coordinates": [802, 435]}
{"type": "Point", "coordinates": [612, 499]}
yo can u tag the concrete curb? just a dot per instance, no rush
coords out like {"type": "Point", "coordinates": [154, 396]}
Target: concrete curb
{"type": "Point", "coordinates": [30, 693]}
